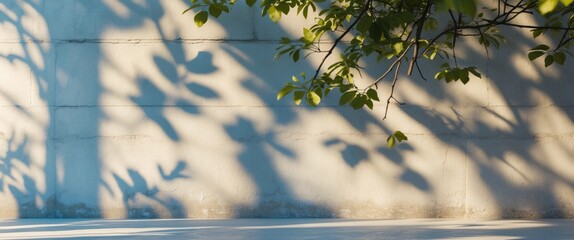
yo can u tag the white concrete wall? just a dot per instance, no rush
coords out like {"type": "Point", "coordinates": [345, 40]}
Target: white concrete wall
{"type": "Point", "coordinates": [125, 109]}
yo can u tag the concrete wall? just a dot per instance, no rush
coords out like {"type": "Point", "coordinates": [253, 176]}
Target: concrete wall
{"type": "Point", "coordinates": [125, 109]}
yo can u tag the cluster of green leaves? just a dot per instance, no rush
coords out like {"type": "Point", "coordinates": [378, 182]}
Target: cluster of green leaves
{"type": "Point", "coordinates": [398, 136]}
{"type": "Point", "coordinates": [555, 24]}
{"type": "Point", "coordinates": [454, 74]}
{"type": "Point", "coordinates": [398, 32]}
{"type": "Point", "coordinates": [547, 6]}
{"type": "Point", "coordinates": [551, 56]}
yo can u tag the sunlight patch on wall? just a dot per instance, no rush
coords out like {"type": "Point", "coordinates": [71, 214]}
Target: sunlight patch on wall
{"type": "Point", "coordinates": [118, 8]}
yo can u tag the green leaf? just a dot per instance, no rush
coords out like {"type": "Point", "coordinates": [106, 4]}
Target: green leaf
{"type": "Point", "coordinates": [541, 47]}
{"type": "Point", "coordinates": [195, 5]}
{"type": "Point", "coordinates": [559, 57]}
{"type": "Point", "coordinates": [474, 72]}
{"type": "Point", "coordinates": [439, 75]}
{"type": "Point", "coordinates": [376, 32]}
{"type": "Point", "coordinates": [372, 94]}
{"type": "Point", "coordinates": [398, 47]}
{"type": "Point", "coordinates": [284, 8]}
{"type": "Point", "coordinates": [534, 55]}
{"type": "Point", "coordinates": [566, 2]}
{"type": "Point", "coordinates": [546, 6]}
{"type": "Point", "coordinates": [537, 32]}
{"type": "Point", "coordinates": [285, 90]}
{"type": "Point", "coordinates": [450, 76]}
{"type": "Point", "coordinates": [548, 60]}
{"type": "Point", "coordinates": [433, 54]}
{"type": "Point", "coordinates": [200, 18]}
{"type": "Point", "coordinates": [214, 10]}
{"type": "Point", "coordinates": [308, 36]}
{"type": "Point", "coordinates": [274, 14]}
{"type": "Point", "coordinates": [296, 55]}
{"type": "Point", "coordinates": [358, 102]}
{"type": "Point", "coordinates": [391, 141]}
{"type": "Point", "coordinates": [285, 40]}
{"type": "Point", "coordinates": [250, 2]}
{"type": "Point", "coordinates": [286, 50]}
{"type": "Point", "coordinates": [400, 136]}
{"type": "Point", "coordinates": [468, 7]}
{"type": "Point", "coordinates": [369, 104]}
{"type": "Point", "coordinates": [430, 24]}
{"type": "Point", "coordinates": [224, 8]}
{"type": "Point", "coordinates": [364, 24]}
{"type": "Point", "coordinates": [298, 96]}
{"type": "Point", "coordinates": [347, 97]}
{"type": "Point", "coordinates": [463, 76]}
{"type": "Point", "coordinates": [313, 98]}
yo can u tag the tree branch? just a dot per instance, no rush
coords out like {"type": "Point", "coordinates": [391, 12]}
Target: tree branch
{"type": "Point", "coordinates": [396, 77]}
{"type": "Point", "coordinates": [397, 61]}
{"type": "Point", "coordinates": [363, 11]}
{"type": "Point", "coordinates": [420, 25]}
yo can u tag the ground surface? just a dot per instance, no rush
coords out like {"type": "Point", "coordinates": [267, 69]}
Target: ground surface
{"type": "Point", "coordinates": [255, 229]}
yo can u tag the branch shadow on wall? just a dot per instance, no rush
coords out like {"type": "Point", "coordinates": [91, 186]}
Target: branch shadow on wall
{"type": "Point", "coordinates": [508, 136]}
{"type": "Point", "coordinates": [259, 147]}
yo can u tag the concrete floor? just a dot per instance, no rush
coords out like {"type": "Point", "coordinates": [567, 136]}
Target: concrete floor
{"type": "Point", "coordinates": [255, 229]}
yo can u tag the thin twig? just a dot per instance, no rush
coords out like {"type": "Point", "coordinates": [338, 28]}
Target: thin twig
{"type": "Point", "coordinates": [363, 11]}
{"type": "Point", "coordinates": [397, 61]}
{"type": "Point", "coordinates": [420, 25]}
{"type": "Point", "coordinates": [455, 25]}
{"type": "Point", "coordinates": [563, 40]}
{"type": "Point", "coordinates": [396, 77]}
{"type": "Point", "coordinates": [420, 71]}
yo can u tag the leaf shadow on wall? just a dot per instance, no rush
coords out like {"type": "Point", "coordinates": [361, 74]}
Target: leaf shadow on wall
{"type": "Point", "coordinates": [513, 136]}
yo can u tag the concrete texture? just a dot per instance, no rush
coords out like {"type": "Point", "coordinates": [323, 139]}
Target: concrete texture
{"type": "Point", "coordinates": [255, 229]}
{"type": "Point", "coordinates": [124, 109]}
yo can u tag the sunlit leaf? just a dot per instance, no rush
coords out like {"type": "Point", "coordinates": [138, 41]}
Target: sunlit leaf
{"type": "Point", "coordinates": [391, 141]}
{"type": "Point", "coordinates": [439, 75]}
{"type": "Point", "coordinates": [298, 97]}
{"type": "Point", "coordinates": [308, 35]}
{"type": "Point", "coordinates": [546, 6]}
{"type": "Point", "coordinates": [398, 47]}
{"type": "Point", "coordinates": [313, 98]}
{"type": "Point", "coordinates": [200, 18]}
{"type": "Point", "coordinates": [285, 90]}
{"type": "Point", "coordinates": [274, 14]}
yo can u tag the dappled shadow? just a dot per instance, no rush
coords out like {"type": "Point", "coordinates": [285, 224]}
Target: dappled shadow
{"type": "Point", "coordinates": [138, 114]}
